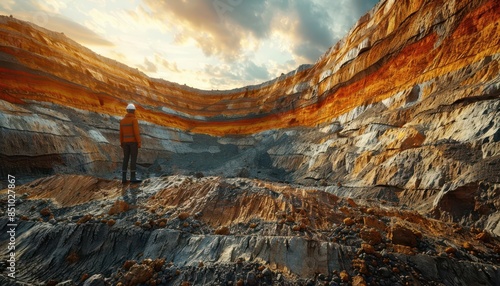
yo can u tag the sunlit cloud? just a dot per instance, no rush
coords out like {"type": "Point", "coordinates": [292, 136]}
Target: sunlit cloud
{"type": "Point", "coordinates": [148, 66]}
{"type": "Point", "coordinates": [7, 5]}
{"type": "Point", "coordinates": [76, 31]}
{"type": "Point", "coordinates": [246, 72]}
{"type": "Point", "coordinates": [50, 6]}
{"type": "Point", "coordinates": [171, 66]}
{"type": "Point", "coordinates": [208, 44]}
{"type": "Point", "coordinates": [71, 29]}
{"type": "Point", "coordinates": [226, 30]}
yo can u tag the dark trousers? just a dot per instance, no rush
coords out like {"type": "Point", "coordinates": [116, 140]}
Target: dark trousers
{"type": "Point", "coordinates": [130, 151]}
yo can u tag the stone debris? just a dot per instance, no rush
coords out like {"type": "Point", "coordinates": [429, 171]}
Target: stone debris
{"type": "Point", "coordinates": [142, 247]}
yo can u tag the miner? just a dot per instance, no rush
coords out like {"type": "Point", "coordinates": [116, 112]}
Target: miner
{"type": "Point", "coordinates": [130, 141]}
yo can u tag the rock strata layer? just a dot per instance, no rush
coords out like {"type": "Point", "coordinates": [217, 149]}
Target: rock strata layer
{"type": "Point", "coordinates": [428, 68]}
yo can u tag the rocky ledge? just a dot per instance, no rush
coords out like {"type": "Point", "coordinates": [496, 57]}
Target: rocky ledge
{"type": "Point", "coordinates": [185, 230]}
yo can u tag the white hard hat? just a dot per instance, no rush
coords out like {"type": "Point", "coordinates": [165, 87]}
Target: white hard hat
{"type": "Point", "coordinates": [130, 106]}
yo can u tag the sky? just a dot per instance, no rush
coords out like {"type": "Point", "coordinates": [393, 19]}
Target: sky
{"type": "Point", "coordinates": [206, 44]}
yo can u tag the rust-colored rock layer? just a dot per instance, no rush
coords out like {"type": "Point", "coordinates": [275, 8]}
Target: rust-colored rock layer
{"type": "Point", "coordinates": [394, 47]}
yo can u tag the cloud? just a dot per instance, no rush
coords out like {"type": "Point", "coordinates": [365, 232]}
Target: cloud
{"type": "Point", "coordinates": [201, 21]}
{"type": "Point", "coordinates": [76, 31]}
{"type": "Point", "coordinates": [225, 29]}
{"type": "Point", "coordinates": [73, 30]}
{"type": "Point", "coordinates": [148, 66]}
{"type": "Point", "coordinates": [213, 43]}
{"type": "Point", "coordinates": [253, 71]}
{"type": "Point", "coordinates": [307, 51]}
{"type": "Point", "coordinates": [45, 14]}
{"type": "Point", "coordinates": [50, 6]}
{"type": "Point", "coordinates": [307, 30]}
{"type": "Point", "coordinates": [7, 5]}
{"type": "Point", "coordinates": [171, 66]}
{"type": "Point", "coordinates": [254, 40]}
{"type": "Point", "coordinates": [239, 73]}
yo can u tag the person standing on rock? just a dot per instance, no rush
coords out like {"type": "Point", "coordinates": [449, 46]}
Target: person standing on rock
{"type": "Point", "coordinates": [130, 140]}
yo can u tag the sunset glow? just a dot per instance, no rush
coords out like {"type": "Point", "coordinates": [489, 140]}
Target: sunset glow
{"type": "Point", "coordinates": [208, 44]}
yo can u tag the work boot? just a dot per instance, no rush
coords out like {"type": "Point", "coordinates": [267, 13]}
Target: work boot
{"type": "Point", "coordinates": [133, 179]}
{"type": "Point", "coordinates": [124, 177]}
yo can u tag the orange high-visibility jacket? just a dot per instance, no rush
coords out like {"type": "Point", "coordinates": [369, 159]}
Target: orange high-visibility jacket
{"type": "Point", "coordinates": [129, 129]}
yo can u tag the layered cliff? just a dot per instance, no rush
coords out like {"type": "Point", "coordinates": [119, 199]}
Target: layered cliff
{"type": "Point", "coordinates": [403, 115]}
{"type": "Point", "coordinates": [391, 50]}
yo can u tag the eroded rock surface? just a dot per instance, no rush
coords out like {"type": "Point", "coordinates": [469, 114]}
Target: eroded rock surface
{"type": "Point", "coordinates": [166, 231]}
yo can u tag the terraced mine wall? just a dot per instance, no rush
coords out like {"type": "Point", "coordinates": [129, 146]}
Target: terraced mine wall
{"type": "Point", "coordinates": [401, 116]}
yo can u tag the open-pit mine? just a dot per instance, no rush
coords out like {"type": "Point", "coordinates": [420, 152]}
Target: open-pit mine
{"type": "Point", "coordinates": [379, 164]}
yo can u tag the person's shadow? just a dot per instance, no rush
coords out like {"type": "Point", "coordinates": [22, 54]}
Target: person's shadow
{"type": "Point", "coordinates": [129, 193]}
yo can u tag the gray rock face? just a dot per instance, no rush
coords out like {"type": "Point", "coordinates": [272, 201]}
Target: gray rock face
{"type": "Point", "coordinates": [95, 280]}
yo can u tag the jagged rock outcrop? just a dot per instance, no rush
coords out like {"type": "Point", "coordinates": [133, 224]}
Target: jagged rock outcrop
{"type": "Point", "coordinates": [415, 58]}
{"type": "Point", "coordinates": [402, 115]}
{"type": "Point", "coordinates": [76, 227]}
